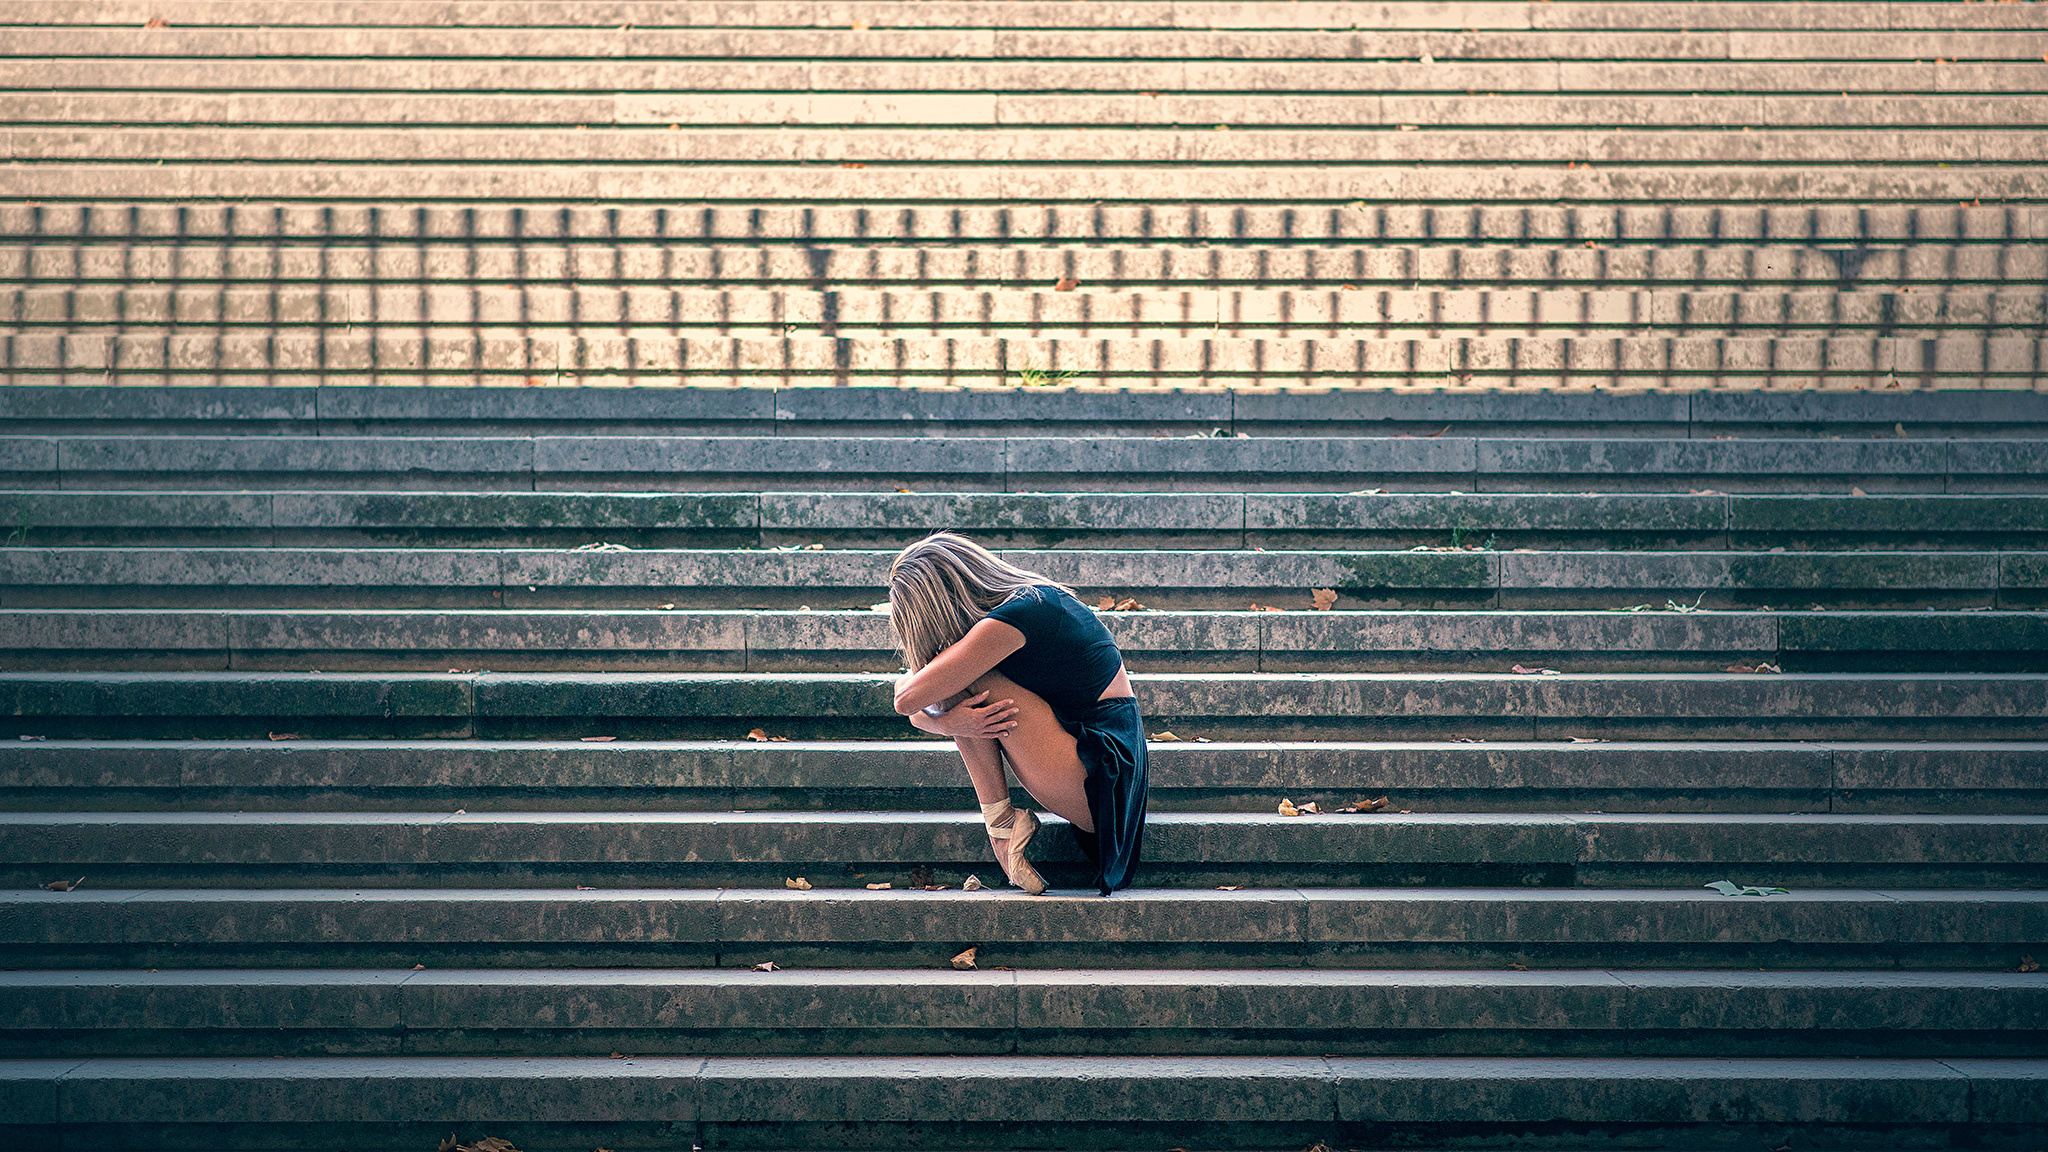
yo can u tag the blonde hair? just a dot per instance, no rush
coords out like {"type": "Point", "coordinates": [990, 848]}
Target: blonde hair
{"type": "Point", "coordinates": [943, 585]}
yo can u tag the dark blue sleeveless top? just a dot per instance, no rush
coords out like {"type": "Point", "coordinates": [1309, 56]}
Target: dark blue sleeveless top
{"type": "Point", "coordinates": [1067, 657]}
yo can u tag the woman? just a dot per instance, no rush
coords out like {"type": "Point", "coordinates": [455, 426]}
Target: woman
{"type": "Point", "coordinates": [1012, 667]}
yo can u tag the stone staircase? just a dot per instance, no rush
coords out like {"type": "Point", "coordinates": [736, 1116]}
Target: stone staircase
{"type": "Point", "coordinates": [401, 735]}
{"type": "Point", "coordinates": [403, 810]}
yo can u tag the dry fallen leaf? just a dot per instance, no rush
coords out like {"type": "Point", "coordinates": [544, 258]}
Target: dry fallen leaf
{"type": "Point", "coordinates": [284, 736]}
{"type": "Point", "coordinates": [1858, 492]}
{"type": "Point", "coordinates": [860, 25]}
{"type": "Point", "coordinates": [487, 1144]}
{"type": "Point", "coordinates": [1266, 608]}
{"type": "Point", "coordinates": [1324, 598]}
{"type": "Point", "coordinates": [1106, 604]}
{"type": "Point", "coordinates": [1287, 808]}
{"type": "Point", "coordinates": [757, 734]}
{"type": "Point", "coordinates": [1164, 738]}
{"type": "Point", "coordinates": [1521, 671]}
{"type": "Point", "coordinates": [965, 960]}
{"type": "Point", "coordinates": [971, 884]}
{"type": "Point", "coordinates": [1203, 740]}
{"type": "Point", "coordinates": [882, 887]}
{"type": "Point", "coordinates": [63, 885]}
{"type": "Point", "coordinates": [1066, 284]}
{"type": "Point", "coordinates": [1129, 605]}
{"type": "Point", "coordinates": [1364, 805]}
{"type": "Point", "coordinates": [798, 883]}
{"type": "Point", "coordinates": [2029, 964]}
{"type": "Point", "coordinates": [1230, 887]}
{"type": "Point", "coordinates": [598, 739]}
{"type": "Point", "coordinates": [767, 966]}
{"type": "Point", "coordinates": [419, 967]}
{"type": "Point", "coordinates": [159, 22]}
{"type": "Point", "coordinates": [852, 164]}
{"type": "Point", "coordinates": [1765, 669]}
{"type": "Point", "coordinates": [1310, 809]}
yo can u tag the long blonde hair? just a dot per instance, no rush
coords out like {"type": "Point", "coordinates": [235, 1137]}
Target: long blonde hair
{"type": "Point", "coordinates": [943, 585]}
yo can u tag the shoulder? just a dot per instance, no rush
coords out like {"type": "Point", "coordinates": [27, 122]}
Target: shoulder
{"type": "Point", "coordinates": [1027, 605]}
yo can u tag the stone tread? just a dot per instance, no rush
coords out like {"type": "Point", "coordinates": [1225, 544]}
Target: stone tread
{"type": "Point", "coordinates": [800, 840]}
{"type": "Point", "coordinates": [1228, 515]}
{"type": "Point", "coordinates": [687, 1010]}
{"type": "Point", "coordinates": [723, 775]}
{"type": "Point", "coordinates": [1211, 1090]}
{"type": "Point", "coordinates": [741, 640]}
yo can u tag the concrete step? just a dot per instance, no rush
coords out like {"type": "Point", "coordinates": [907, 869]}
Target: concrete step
{"type": "Point", "coordinates": [829, 47]}
{"type": "Point", "coordinates": [847, 850]}
{"type": "Point", "coordinates": [369, 775]}
{"type": "Point", "coordinates": [969, 1101]}
{"type": "Point", "coordinates": [646, 312]}
{"type": "Point", "coordinates": [806, 411]}
{"type": "Point", "coordinates": [656, 357]}
{"type": "Point", "coordinates": [793, 576]}
{"type": "Point", "coordinates": [1037, 464]}
{"type": "Point", "coordinates": [1222, 706]}
{"type": "Point", "coordinates": [1327, 110]}
{"type": "Point", "coordinates": [1710, 237]}
{"type": "Point", "coordinates": [1197, 14]}
{"type": "Point", "coordinates": [1501, 183]}
{"type": "Point", "coordinates": [730, 640]}
{"type": "Point", "coordinates": [1367, 521]}
{"type": "Point", "coordinates": [1970, 929]}
{"type": "Point", "coordinates": [1283, 1012]}
{"type": "Point", "coordinates": [1190, 149]}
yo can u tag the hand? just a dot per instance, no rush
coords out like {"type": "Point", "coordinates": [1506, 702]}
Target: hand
{"type": "Point", "coordinates": [973, 717]}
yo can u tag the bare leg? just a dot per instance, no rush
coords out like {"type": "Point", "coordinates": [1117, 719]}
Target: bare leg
{"type": "Point", "coordinates": [1040, 751]}
{"type": "Point", "coordinates": [984, 759]}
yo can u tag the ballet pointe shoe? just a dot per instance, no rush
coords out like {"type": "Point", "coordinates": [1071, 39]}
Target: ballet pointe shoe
{"type": "Point", "coordinates": [1019, 831]}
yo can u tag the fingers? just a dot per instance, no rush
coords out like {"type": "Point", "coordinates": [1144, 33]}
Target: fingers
{"type": "Point", "coordinates": [974, 701]}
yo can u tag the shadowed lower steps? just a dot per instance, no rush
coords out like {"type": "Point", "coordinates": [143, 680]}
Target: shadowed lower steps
{"type": "Point", "coordinates": [703, 1012]}
{"type": "Point", "coordinates": [950, 1102]}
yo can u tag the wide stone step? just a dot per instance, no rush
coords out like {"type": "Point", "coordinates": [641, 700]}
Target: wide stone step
{"type": "Point", "coordinates": [654, 357]}
{"type": "Point", "coordinates": [1859, 110]}
{"type": "Point", "coordinates": [1299, 640]}
{"type": "Point", "coordinates": [1224, 705]}
{"type": "Point", "coordinates": [1190, 150]}
{"type": "Point", "coordinates": [793, 576]}
{"type": "Point", "coordinates": [1197, 463]}
{"type": "Point", "coordinates": [1918, 414]}
{"type": "Point", "coordinates": [214, 236]}
{"type": "Point", "coordinates": [852, 849]}
{"type": "Point", "coordinates": [925, 775]}
{"type": "Point", "coordinates": [971, 1101]}
{"type": "Point", "coordinates": [831, 46]}
{"type": "Point", "coordinates": [1195, 14]}
{"type": "Point", "coordinates": [1222, 520]}
{"type": "Point", "coordinates": [1980, 929]}
{"type": "Point", "coordinates": [649, 314]}
{"type": "Point", "coordinates": [1495, 183]}
{"type": "Point", "coordinates": [1288, 1012]}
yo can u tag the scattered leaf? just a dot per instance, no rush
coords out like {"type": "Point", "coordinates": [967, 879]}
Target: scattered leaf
{"type": "Point", "coordinates": [1164, 738]}
{"type": "Point", "coordinates": [1589, 740]}
{"type": "Point", "coordinates": [1310, 809]}
{"type": "Point", "coordinates": [419, 967]}
{"type": "Point", "coordinates": [965, 960]}
{"type": "Point", "coordinates": [933, 887]}
{"type": "Point", "coordinates": [1518, 966]}
{"type": "Point", "coordinates": [600, 546]}
{"type": "Point", "coordinates": [1266, 608]}
{"type": "Point", "coordinates": [767, 966]}
{"type": "Point", "coordinates": [1521, 671]}
{"type": "Point", "coordinates": [860, 25]}
{"type": "Point", "coordinates": [1287, 808]}
{"type": "Point", "coordinates": [1203, 740]}
{"type": "Point", "coordinates": [1705, 492]}
{"type": "Point", "coordinates": [618, 1055]}
{"type": "Point", "coordinates": [586, 887]}
{"type": "Point", "coordinates": [1727, 889]}
{"type": "Point", "coordinates": [1129, 605]}
{"type": "Point", "coordinates": [1364, 805]}
{"type": "Point", "coordinates": [1324, 598]}
{"type": "Point", "coordinates": [487, 1144]}
{"type": "Point", "coordinates": [852, 164]}
{"type": "Point", "coordinates": [159, 22]}
{"type": "Point", "coordinates": [63, 885]}
{"type": "Point", "coordinates": [1106, 604]}
{"type": "Point", "coordinates": [1065, 284]}
{"type": "Point", "coordinates": [597, 739]}
{"type": "Point", "coordinates": [971, 884]}
{"type": "Point", "coordinates": [1764, 669]}
{"type": "Point", "coordinates": [757, 735]}
{"type": "Point", "coordinates": [1230, 887]}
{"type": "Point", "coordinates": [1858, 492]}
{"type": "Point", "coordinates": [2029, 964]}
{"type": "Point", "coordinates": [798, 883]}
{"type": "Point", "coordinates": [285, 736]}
{"type": "Point", "coordinates": [666, 607]}
{"type": "Point", "coordinates": [882, 887]}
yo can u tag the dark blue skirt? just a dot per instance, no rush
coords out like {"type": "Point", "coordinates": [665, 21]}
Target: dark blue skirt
{"type": "Point", "coordinates": [1111, 740]}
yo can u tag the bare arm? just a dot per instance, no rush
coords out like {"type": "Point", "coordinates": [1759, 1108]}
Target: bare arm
{"type": "Point", "coordinates": [986, 645]}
